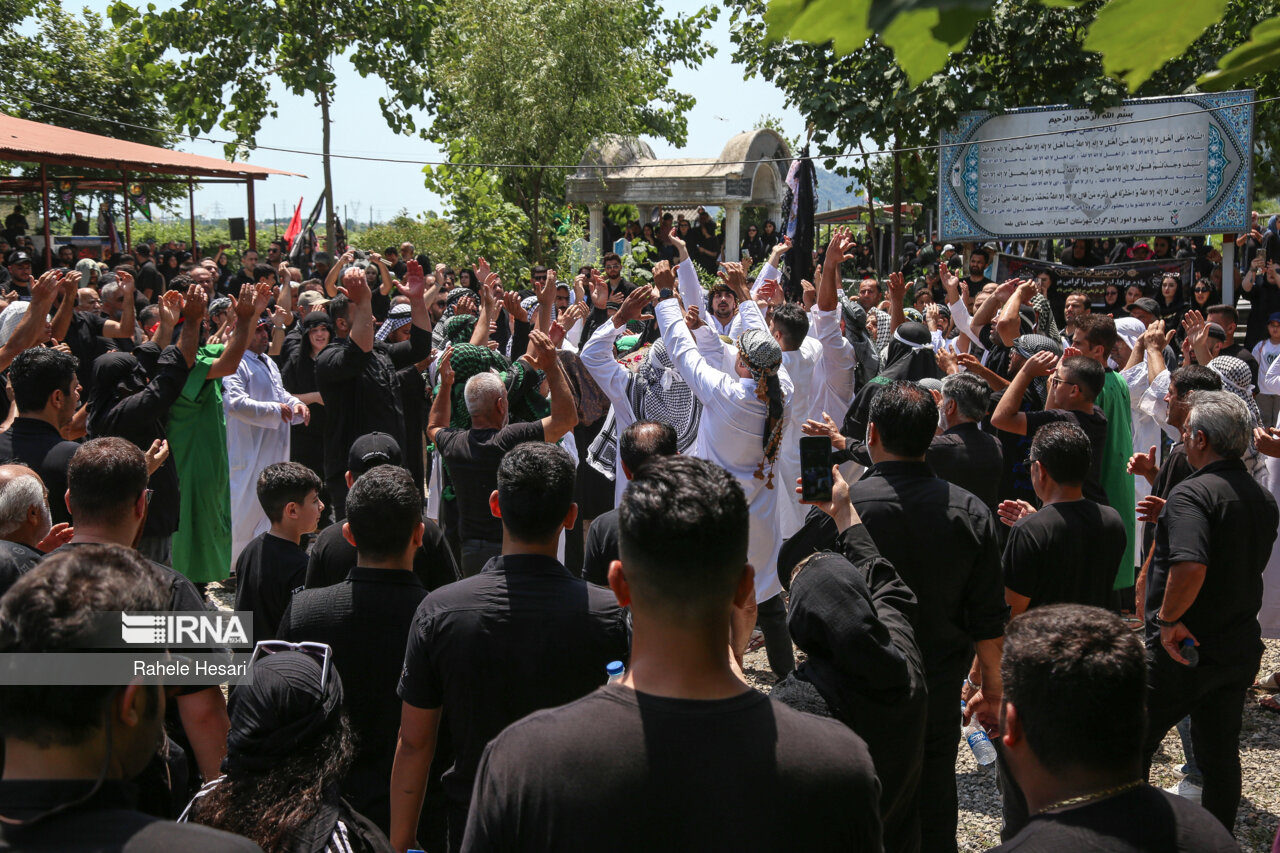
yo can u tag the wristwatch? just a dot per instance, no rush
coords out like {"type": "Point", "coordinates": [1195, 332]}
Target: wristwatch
{"type": "Point", "coordinates": [1167, 623]}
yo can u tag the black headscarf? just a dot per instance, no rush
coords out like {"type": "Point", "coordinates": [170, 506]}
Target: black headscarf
{"type": "Point", "coordinates": [910, 355]}
{"type": "Point", "coordinates": [279, 711]}
{"type": "Point", "coordinates": [116, 375]}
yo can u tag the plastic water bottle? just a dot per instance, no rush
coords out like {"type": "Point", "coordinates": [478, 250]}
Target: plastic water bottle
{"type": "Point", "coordinates": [984, 752]}
{"type": "Point", "coordinates": [1189, 652]}
{"type": "Point", "coordinates": [616, 669]}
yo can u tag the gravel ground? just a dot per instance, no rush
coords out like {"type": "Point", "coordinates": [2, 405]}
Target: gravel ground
{"type": "Point", "coordinates": [1259, 751]}
{"type": "Point", "coordinates": [979, 829]}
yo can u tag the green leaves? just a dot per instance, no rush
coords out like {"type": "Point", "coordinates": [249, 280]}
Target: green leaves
{"type": "Point", "coordinates": [1137, 37]}
{"type": "Point", "coordinates": [843, 22]}
{"type": "Point", "coordinates": [922, 57]}
{"type": "Point", "coordinates": [1261, 53]}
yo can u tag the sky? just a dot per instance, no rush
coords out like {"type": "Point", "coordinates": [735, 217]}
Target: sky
{"type": "Point", "coordinates": [727, 104]}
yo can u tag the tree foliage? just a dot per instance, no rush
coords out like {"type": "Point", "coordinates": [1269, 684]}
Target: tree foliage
{"type": "Point", "coordinates": [530, 82]}
{"type": "Point", "coordinates": [53, 58]}
{"type": "Point", "coordinates": [218, 57]}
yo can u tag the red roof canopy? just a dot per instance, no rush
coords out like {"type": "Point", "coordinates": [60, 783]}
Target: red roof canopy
{"type": "Point", "coordinates": [30, 141]}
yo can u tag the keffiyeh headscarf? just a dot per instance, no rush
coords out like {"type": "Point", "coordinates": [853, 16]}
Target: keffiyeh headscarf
{"type": "Point", "coordinates": [656, 392]}
{"type": "Point", "coordinates": [458, 328]}
{"type": "Point", "coordinates": [1045, 323]}
{"type": "Point", "coordinates": [10, 319]}
{"type": "Point", "coordinates": [763, 356]}
{"type": "Point", "coordinates": [1238, 379]}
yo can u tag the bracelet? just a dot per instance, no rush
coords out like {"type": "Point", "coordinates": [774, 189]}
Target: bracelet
{"type": "Point", "coordinates": [1166, 623]}
{"type": "Point", "coordinates": [971, 684]}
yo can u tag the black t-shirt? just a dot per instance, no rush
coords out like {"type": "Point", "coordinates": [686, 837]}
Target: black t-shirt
{"type": "Point", "coordinates": [1094, 425]}
{"type": "Point", "coordinates": [1221, 517]}
{"type": "Point", "coordinates": [601, 548]}
{"type": "Point", "coordinates": [362, 392]}
{"type": "Point", "coordinates": [646, 773]}
{"type": "Point", "coordinates": [472, 456]}
{"type": "Point", "coordinates": [16, 560]}
{"type": "Point", "coordinates": [42, 448]}
{"type": "Point", "coordinates": [1015, 470]}
{"type": "Point", "coordinates": [967, 457]}
{"type": "Point", "coordinates": [333, 557]}
{"type": "Point", "coordinates": [85, 338]}
{"type": "Point", "coordinates": [108, 823]}
{"type": "Point", "coordinates": [520, 636]}
{"type": "Point", "coordinates": [268, 571]}
{"type": "Point", "coordinates": [1144, 820]}
{"type": "Point", "coordinates": [365, 619]}
{"type": "Point", "coordinates": [1067, 553]}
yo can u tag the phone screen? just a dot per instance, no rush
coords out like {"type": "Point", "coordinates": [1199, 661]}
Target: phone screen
{"type": "Point", "coordinates": [815, 468]}
{"type": "Point", "coordinates": [1260, 254]}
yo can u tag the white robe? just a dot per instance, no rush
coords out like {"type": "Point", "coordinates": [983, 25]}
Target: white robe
{"type": "Point", "coordinates": [802, 365]}
{"type": "Point", "coordinates": [1269, 616]}
{"type": "Point", "coordinates": [833, 380]}
{"type": "Point", "coordinates": [257, 436]}
{"type": "Point", "coordinates": [731, 434]}
{"type": "Point", "coordinates": [1146, 434]}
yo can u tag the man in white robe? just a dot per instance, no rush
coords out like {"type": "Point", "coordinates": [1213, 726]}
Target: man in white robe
{"type": "Point", "coordinates": [259, 413]}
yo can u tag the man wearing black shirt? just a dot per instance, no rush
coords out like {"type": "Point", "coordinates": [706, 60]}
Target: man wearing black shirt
{"type": "Point", "coordinates": [333, 557]}
{"type": "Point", "coordinates": [26, 524]}
{"type": "Point", "coordinates": [1213, 540]}
{"type": "Point", "coordinates": [357, 377]}
{"type": "Point", "coordinates": [640, 442]}
{"type": "Point", "coordinates": [19, 263]}
{"type": "Point", "coordinates": [365, 619]}
{"type": "Point", "coordinates": [150, 282]}
{"type": "Point", "coordinates": [979, 260]}
{"type": "Point", "coordinates": [520, 636]}
{"type": "Point", "coordinates": [472, 456]}
{"type": "Point", "coordinates": [47, 393]}
{"type": "Point", "coordinates": [682, 722]}
{"type": "Point", "coordinates": [1067, 552]}
{"type": "Point", "coordinates": [1228, 318]}
{"type": "Point", "coordinates": [1073, 384]}
{"type": "Point", "coordinates": [108, 497]}
{"type": "Point", "coordinates": [963, 454]}
{"type": "Point", "coordinates": [59, 739]}
{"type": "Point", "coordinates": [1070, 669]}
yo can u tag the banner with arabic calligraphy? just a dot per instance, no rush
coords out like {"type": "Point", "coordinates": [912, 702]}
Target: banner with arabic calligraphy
{"type": "Point", "coordinates": [1177, 165]}
{"type": "Point", "coordinates": [1093, 281]}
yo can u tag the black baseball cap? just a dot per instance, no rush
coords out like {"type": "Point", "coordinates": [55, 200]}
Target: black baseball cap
{"type": "Point", "coordinates": [1145, 303]}
{"type": "Point", "coordinates": [19, 257]}
{"type": "Point", "coordinates": [371, 450]}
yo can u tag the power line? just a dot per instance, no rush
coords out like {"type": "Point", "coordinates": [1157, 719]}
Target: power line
{"type": "Point", "coordinates": [667, 165]}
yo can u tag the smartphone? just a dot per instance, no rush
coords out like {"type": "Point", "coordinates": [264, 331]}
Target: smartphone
{"type": "Point", "coordinates": [1260, 254]}
{"type": "Point", "coordinates": [815, 468]}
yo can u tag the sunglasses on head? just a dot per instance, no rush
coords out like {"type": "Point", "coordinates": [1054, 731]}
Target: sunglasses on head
{"type": "Point", "coordinates": [318, 652]}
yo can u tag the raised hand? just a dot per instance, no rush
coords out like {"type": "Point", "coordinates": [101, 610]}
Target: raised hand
{"type": "Point", "coordinates": [60, 534]}
{"type": "Point", "coordinates": [897, 286]}
{"type": "Point", "coordinates": [947, 361]}
{"type": "Point", "coordinates": [599, 292]}
{"type": "Point", "coordinates": [194, 305]}
{"type": "Point", "coordinates": [156, 455]}
{"type": "Point", "coordinates": [170, 307]}
{"type": "Point", "coordinates": [839, 507]}
{"type": "Point", "coordinates": [355, 285]}
{"type": "Point", "coordinates": [1040, 364]}
{"type": "Point", "coordinates": [826, 427]}
{"type": "Point", "coordinates": [482, 269]}
{"type": "Point", "coordinates": [542, 352]}
{"type": "Point", "coordinates": [547, 289]}
{"type": "Point", "coordinates": [663, 277]}
{"type": "Point", "coordinates": [261, 298]}
{"type": "Point", "coordinates": [415, 283]}
{"type": "Point", "coordinates": [809, 295]}
{"type": "Point", "coordinates": [444, 368]}
{"type": "Point", "coordinates": [634, 304]}
{"type": "Point", "coordinates": [466, 305]}
{"type": "Point", "coordinates": [1143, 464]}
{"type": "Point", "coordinates": [693, 318]}
{"type": "Point", "coordinates": [511, 302]}
{"type": "Point", "coordinates": [839, 248]}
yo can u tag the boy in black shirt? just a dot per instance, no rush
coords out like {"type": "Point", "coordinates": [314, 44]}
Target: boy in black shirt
{"type": "Point", "coordinates": [273, 566]}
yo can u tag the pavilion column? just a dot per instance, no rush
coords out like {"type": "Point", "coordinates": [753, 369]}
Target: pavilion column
{"type": "Point", "coordinates": [775, 215]}
{"type": "Point", "coordinates": [595, 222]}
{"type": "Point", "coordinates": [1229, 269]}
{"type": "Point", "coordinates": [191, 201]}
{"type": "Point", "coordinates": [44, 196]}
{"type": "Point", "coordinates": [732, 231]}
{"type": "Point", "coordinates": [253, 218]}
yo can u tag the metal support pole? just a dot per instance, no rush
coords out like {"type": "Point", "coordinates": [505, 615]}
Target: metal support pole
{"type": "Point", "coordinates": [128, 214]}
{"type": "Point", "coordinates": [253, 219]}
{"type": "Point", "coordinates": [191, 201]}
{"type": "Point", "coordinates": [48, 240]}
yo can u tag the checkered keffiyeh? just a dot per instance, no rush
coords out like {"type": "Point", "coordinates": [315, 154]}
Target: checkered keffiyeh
{"type": "Point", "coordinates": [760, 352]}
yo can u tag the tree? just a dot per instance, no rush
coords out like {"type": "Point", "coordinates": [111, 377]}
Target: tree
{"type": "Point", "coordinates": [53, 58]}
{"type": "Point", "coordinates": [483, 223]}
{"type": "Point", "coordinates": [532, 83]}
{"type": "Point", "coordinates": [229, 49]}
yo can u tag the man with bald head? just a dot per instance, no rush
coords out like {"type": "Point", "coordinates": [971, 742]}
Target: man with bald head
{"type": "Point", "coordinates": [24, 522]}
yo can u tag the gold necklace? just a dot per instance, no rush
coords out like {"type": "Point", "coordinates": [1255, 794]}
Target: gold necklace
{"type": "Point", "coordinates": [1089, 798]}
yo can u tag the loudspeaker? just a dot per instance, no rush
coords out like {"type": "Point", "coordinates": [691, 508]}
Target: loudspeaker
{"type": "Point", "coordinates": [237, 228]}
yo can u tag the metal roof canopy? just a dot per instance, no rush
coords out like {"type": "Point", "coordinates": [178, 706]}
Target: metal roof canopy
{"type": "Point", "coordinates": [49, 145]}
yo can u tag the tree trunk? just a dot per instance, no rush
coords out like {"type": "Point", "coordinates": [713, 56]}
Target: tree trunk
{"type": "Point", "coordinates": [329, 221]}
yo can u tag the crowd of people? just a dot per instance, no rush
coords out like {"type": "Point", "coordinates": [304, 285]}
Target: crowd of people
{"type": "Point", "coordinates": [565, 510]}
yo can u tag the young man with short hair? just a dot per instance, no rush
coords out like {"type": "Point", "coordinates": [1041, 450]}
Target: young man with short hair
{"type": "Point", "coordinates": [520, 636]}
{"type": "Point", "coordinates": [273, 566]}
{"type": "Point", "coordinates": [667, 758]}
{"type": "Point", "coordinates": [1228, 318]}
{"type": "Point", "coordinates": [46, 392]}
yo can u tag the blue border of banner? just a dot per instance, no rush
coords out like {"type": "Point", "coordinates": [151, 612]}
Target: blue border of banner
{"type": "Point", "coordinates": [1234, 110]}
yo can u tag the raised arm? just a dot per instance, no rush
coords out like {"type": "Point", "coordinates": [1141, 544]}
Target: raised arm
{"type": "Point", "coordinates": [194, 306]}
{"type": "Point", "coordinates": [123, 328]}
{"type": "Point", "coordinates": [564, 411]}
{"type": "Point", "coordinates": [70, 284]}
{"type": "Point", "coordinates": [837, 253]}
{"type": "Point", "coordinates": [442, 405]}
{"type": "Point", "coordinates": [387, 285]}
{"type": "Point", "coordinates": [897, 295]}
{"type": "Point", "coordinates": [331, 279]}
{"type": "Point", "coordinates": [597, 353]}
{"type": "Point", "coordinates": [1008, 415]}
{"type": "Point", "coordinates": [1009, 326]}
{"type": "Point", "coordinates": [31, 327]}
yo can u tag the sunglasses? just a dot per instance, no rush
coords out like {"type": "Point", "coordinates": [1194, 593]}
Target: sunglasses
{"type": "Point", "coordinates": [319, 652]}
{"type": "Point", "coordinates": [1201, 290]}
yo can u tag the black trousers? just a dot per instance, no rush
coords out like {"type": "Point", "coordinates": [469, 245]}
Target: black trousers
{"type": "Point", "coordinates": [939, 801]}
{"type": "Point", "coordinates": [771, 616]}
{"type": "Point", "coordinates": [1214, 697]}
{"type": "Point", "coordinates": [337, 487]}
